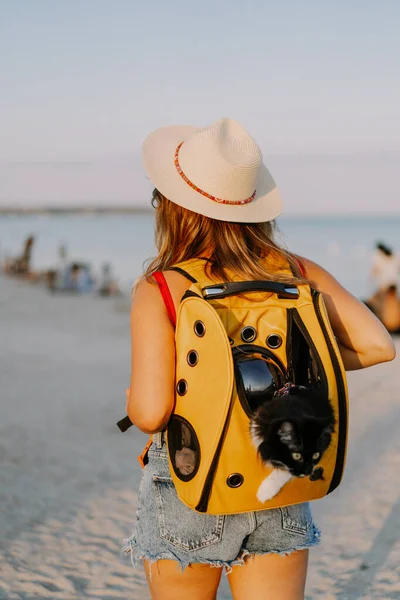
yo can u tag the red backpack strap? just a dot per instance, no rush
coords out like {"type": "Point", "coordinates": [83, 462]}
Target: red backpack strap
{"type": "Point", "coordinates": [166, 295]}
{"type": "Point", "coordinates": [302, 268]}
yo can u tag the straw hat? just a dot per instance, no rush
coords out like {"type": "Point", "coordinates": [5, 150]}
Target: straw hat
{"type": "Point", "coordinates": [217, 171]}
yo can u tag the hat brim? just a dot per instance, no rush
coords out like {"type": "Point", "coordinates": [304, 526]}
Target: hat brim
{"type": "Point", "coordinates": [158, 153]}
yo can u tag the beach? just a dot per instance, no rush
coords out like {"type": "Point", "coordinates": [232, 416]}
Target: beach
{"type": "Point", "coordinates": [69, 478]}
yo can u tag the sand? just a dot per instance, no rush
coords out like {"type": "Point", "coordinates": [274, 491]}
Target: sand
{"type": "Point", "coordinates": [69, 479]}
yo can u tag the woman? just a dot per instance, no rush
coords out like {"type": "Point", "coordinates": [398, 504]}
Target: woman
{"type": "Point", "coordinates": [385, 302]}
{"type": "Point", "coordinates": [215, 199]}
{"type": "Point", "coordinates": [389, 312]}
{"type": "Point", "coordinates": [385, 268]}
{"type": "Point", "coordinates": [21, 265]}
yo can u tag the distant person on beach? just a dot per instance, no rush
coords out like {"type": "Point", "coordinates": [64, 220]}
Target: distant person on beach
{"type": "Point", "coordinates": [21, 265]}
{"type": "Point", "coordinates": [385, 269]}
{"type": "Point", "coordinates": [108, 286]}
{"type": "Point", "coordinates": [62, 262]}
{"type": "Point", "coordinates": [389, 312]}
{"type": "Point", "coordinates": [55, 277]}
{"type": "Point", "coordinates": [78, 278]}
{"type": "Point", "coordinates": [215, 203]}
{"type": "Point", "coordinates": [75, 277]}
{"type": "Point", "coordinates": [385, 301]}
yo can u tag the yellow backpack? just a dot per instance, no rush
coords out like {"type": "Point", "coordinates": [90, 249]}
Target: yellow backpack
{"type": "Point", "coordinates": [220, 326]}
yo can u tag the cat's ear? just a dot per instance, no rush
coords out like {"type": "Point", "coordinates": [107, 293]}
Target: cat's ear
{"type": "Point", "coordinates": [330, 428]}
{"type": "Point", "coordinates": [326, 433]}
{"type": "Point", "coordinates": [286, 432]}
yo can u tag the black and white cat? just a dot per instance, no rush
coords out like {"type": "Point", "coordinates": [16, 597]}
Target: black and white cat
{"type": "Point", "coordinates": [291, 432]}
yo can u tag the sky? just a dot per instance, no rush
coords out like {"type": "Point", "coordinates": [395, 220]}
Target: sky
{"type": "Point", "coordinates": [316, 84]}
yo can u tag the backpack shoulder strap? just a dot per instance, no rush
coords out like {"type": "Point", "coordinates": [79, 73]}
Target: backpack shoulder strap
{"type": "Point", "coordinates": [194, 270]}
{"type": "Point", "coordinates": [301, 266]}
{"type": "Point", "coordinates": [166, 295]}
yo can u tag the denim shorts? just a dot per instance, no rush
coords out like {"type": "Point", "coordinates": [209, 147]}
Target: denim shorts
{"type": "Point", "coordinates": [167, 529]}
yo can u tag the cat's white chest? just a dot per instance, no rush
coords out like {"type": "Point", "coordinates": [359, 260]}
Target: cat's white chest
{"type": "Point", "coordinates": [273, 484]}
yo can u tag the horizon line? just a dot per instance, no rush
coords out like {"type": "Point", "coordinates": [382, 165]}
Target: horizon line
{"type": "Point", "coordinates": [130, 209]}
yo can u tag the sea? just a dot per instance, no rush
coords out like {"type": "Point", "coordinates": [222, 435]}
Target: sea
{"type": "Point", "coordinates": [342, 245]}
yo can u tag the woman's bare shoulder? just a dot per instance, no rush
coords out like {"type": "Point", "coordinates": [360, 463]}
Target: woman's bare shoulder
{"type": "Point", "coordinates": [147, 304]}
{"type": "Point", "coordinates": [144, 290]}
{"type": "Point", "coordinates": [147, 296]}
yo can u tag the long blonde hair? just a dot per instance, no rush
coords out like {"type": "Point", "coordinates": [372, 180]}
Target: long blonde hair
{"type": "Point", "coordinates": [246, 249]}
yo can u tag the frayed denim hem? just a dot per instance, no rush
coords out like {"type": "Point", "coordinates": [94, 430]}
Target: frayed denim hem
{"type": "Point", "coordinates": [138, 556]}
{"type": "Point", "coordinates": [245, 553]}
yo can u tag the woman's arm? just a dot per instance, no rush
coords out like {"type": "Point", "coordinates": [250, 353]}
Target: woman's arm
{"type": "Point", "coordinates": [362, 339]}
{"type": "Point", "coordinates": [152, 389]}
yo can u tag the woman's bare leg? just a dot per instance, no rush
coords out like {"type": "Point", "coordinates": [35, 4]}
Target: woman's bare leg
{"type": "Point", "coordinates": [169, 582]}
{"type": "Point", "coordinates": [270, 577]}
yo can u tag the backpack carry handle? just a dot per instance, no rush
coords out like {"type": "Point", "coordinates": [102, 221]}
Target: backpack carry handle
{"type": "Point", "coordinates": [221, 290]}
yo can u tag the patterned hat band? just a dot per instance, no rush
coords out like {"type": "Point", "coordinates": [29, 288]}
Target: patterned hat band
{"type": "Point", "coordinates": [197, 189]}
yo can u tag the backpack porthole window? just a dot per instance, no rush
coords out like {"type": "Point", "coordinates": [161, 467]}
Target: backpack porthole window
{"type": "Point", "coordinates": [235, 480]}
{"type": "Point", "coordinates": [274, 341]}
{"type": "Point", "coordinates": [199, 328]}
{"type": "Point", "coordinates": [248, 334]}
{"type": "Point", "coordinates": [258, 377]}
{"type": "Point", "coordinates": [192, 358]}
{"type": "Point", "coordinates": [183, 448]}
{"type": "Point", "coordinates": [182, 387]}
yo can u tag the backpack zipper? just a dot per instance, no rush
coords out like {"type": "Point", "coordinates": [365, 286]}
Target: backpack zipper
{"type": "Point", "coordinates": [342, 409]}
{"type": "Point", "coordinates": [304, 331]}
{"type": "Point", "coordinates": [342, 405]}
{"type": "Point", "coordinates": [205, 494]}
{"type": "Point", "coordinates": [289, 348]}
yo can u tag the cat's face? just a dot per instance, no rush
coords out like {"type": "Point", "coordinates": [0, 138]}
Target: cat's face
{"type": "Point", "coordinates": [296, 446]}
